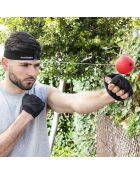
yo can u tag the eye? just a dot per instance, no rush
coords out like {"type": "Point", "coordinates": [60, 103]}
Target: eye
{"type": "Point", "coordinates": [37, 66]}
{"type": "Point", "coordinates": [24, 65]}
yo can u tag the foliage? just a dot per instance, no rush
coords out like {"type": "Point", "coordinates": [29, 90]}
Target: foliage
{"type": "Point", "coordinates": [127, 113]}
{"type": "Point", "coordinates": [132, 107]}
{"type": "Point", "coordinates": [87, 40]}
{"type": "Point", "coordinates": [84, 136]}
{"type": "Point", "coordinates": [64, 143]}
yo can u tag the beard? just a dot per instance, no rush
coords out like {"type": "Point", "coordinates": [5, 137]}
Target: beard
{"type": "Point", "coordinates": [20, 84]}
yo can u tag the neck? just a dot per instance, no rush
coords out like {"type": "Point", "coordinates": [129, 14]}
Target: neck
{"type": "Point", "coordinates": [10, 87]}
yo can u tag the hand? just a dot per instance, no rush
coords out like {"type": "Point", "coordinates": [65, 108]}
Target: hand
{"type": "Point", "coordinates": [32, 104]}
{"type": "Point", "coordinates": [117, 86]}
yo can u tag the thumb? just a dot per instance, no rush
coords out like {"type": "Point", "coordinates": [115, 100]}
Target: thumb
{"type": "Point", "coordinates": [107, 79]}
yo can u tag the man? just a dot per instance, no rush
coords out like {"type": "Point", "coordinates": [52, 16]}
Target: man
{"type": "Point", "coordinates": [24, 102]}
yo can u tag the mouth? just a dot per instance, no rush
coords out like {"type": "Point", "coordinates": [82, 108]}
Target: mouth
{"type": "Point", "coordinates": [29, 80]}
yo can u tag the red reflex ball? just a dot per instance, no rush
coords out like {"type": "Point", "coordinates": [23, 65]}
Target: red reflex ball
{"type": "Point", "coordinates": [124, 64]}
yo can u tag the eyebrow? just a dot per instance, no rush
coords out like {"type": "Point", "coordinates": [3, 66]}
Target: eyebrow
{"type": "Point", "coordinates": [27, 63]}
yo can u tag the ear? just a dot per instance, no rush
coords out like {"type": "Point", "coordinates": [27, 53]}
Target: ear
{"type": "Point", "coordinates": [5, 63]}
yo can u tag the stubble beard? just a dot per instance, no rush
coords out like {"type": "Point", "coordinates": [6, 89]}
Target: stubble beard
{"type": "Point", "coordinates": [17, 82]}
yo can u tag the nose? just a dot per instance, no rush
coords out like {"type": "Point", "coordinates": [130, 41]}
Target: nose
{"type": "Point", "coordinates": [32, 71]}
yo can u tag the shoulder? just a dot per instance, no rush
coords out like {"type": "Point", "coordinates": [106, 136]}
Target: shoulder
{"type": "Point", "coordinates": [45, 87]}
{"type": "Point", "coordinates": [39, 90]}
{"type": "Point", "coordinates": [43, 91]}
{"type": "Point", "coordinates": [52, 90]}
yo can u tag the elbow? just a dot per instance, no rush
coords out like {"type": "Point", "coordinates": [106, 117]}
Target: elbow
{"type": "Point", "coordinates": [79, 110]}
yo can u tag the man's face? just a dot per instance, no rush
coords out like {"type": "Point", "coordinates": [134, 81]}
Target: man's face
{"type": "Point", "coordinates": [23, 73]}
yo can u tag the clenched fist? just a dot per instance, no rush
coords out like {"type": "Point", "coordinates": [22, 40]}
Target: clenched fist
{"type": "Point", "coordinates": [118, 86]}
{"type": "Point", "coordinates": [32, 104]}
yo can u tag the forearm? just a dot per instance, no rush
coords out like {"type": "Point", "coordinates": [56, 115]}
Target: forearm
{"type": "Point", "coordinates": [91, 101]}
{"type": "Point", "coordinates": [9, 137]}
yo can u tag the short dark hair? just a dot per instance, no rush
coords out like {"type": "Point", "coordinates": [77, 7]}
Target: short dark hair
{"type": "Point", "coordinates": [22, 43]}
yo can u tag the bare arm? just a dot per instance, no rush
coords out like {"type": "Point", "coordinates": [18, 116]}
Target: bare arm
{"type": "Point", "coordinates": [91, 101]}
{"type": "Point", "coordinates": [83, 102]}
{"type": "Point", "coordinates": [9, 137]}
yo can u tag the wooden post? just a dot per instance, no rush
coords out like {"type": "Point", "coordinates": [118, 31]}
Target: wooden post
{"type": "Point", "coordinates": [55, 120]}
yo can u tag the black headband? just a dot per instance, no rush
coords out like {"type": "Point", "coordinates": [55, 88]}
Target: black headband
{"type": "Point", "coordinates": [16, 55]}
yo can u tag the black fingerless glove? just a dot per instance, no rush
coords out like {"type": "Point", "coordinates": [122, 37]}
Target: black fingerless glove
{"type": "Point", "coordinates": [32, 104]}
{"type": "Point", "coordinates": [121, 82]}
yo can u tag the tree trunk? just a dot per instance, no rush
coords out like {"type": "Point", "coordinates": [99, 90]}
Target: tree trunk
{"type": "Point", "coordinates": [113, 142]}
